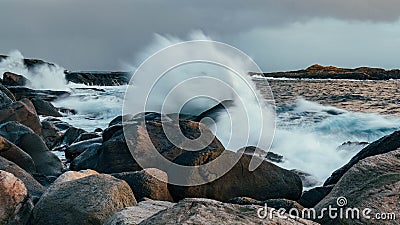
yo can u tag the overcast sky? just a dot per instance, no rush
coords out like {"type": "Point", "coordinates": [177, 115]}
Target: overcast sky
{"type": "Point", "coordinates": [278, 34]}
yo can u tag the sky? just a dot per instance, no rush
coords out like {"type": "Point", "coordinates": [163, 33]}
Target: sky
{"type": "Point", "coordinates": [279, 35]}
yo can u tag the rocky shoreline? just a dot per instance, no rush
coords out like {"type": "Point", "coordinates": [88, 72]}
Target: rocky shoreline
{"type": "Point", "coordinates": [330, 72]}
{"type": "Point", "coordinates": [101, 183]}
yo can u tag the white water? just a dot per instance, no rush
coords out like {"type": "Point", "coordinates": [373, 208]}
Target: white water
{"type": "Point", "coordinates": [40, 77]}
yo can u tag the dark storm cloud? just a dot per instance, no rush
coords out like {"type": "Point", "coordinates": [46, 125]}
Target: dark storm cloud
{"type": "Point", "coordinates": [99, 34]}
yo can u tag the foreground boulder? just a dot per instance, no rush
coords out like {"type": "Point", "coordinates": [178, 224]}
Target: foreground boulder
{"type": "Point", "coordinates": [35, 189]}
{"type": "Point", "coordinates": [114, 156]}
{"type": "Point", "coordinates": [13, 79]}
{"type": "Point", "coordinates": [23, 112]}
{"type": "Point", "coordinates": [89, 200]}
{"type": "Point", "coordinates": [13, 153]}
{"type": "Point", "coordinates": [15, 204]}
{"type": "Point", "coordinates": [207, 211]}
{"type": "Point", "coordinates": [46, 162]}
{"type": "Point", "coordinates": [136, 214]}
{"type": "Point", "coordinates": [385, 144]}
{"type": "Point", "coordinates": [372, 183]}
{"type": "Point", "coordinates": [268, 181]}
{"type": "Point", "coordinates": [45, 108]}
{"type": "Point", "coordinates": [73, 175]}
{"type": "Point", "coordinates": [148, 183]}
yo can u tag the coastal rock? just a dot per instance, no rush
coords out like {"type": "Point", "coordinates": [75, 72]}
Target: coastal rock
{"type": "Point", "coordinates": [87, 159]}
{"type": "Point", "coordinates": [7, 92]}
{"type": "Point", "coordinates": [307, 179]}
{"type": "Point", "coordinates": [114, 156]}
{"type": "Point", "coordinates": [45, 108]}
{"type": "Point", "coordinates": [15, 204]}
{"type": "Point", "coordinates": [60, 125]}
{"type": "Point", "coordinates": [35, 189]}
{"type": "Point", "coordinates": [73, 175]}
{"type": "Point", "coordinates": [373, 183]}
{"type": "Point", "coordinates": [51, 134]}
{"type": "Point", "coordinates": [268, 181]}
{"type": "Point", "coordinates": [13, 153]}
{"type": "Point", "coordinates": [88, 136]}
{"type": "Point", "coordinates": [22, 111]}
{"type": "Point", "coordinates": [13, 79]}
{"type": "Point", "coordinates": [46, 162]}
{"type": "Point", "coordinates": [71, 135]}
{"type": "Point", "coordinates": [274, 203]}
{"type": "Point", "coordinates": [74, 150]}
{"type": "Point", "coordinates": [330, 72]}
{"type": "Point", "coordinates": [311, 197]}
{"type": "Point", "coordinates": [385, 144]}
{"type": "Point", "coordinates": [89, 200]}
{"type": "Point", "coordinates": [207, 211]}
{"type": "Point", "coordinates": [98, 78]}
{"type": "Point", "coordinates": [136, 214]}
{"type": "Point", "coordinates": [148, 183]}
{"type": "Point", "coordinates": [4, 99]}
{"type": "Point", "coordinates": [46, 95]}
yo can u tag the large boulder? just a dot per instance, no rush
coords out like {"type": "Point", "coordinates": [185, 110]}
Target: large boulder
{"type": "Point", "coordinates": [73, 175]}
{"type": "Point", "coordinates": [35, 189]}
{"type": "Point", "coordinates": [45, 108]}
{"type": "Point", "coordinates": [207, 211]}
{"type": "Point", "coordinates": [23, 112]}
{"type": "Point", "coordinates": [13, 79]}
{"type": "Point", "coordinates": [268, 181]}
{"type": "Point", "coordinates": [89, 200]}
{"type": "Point", "coordinates": [373, 183]}
{"type": "Point", "coordinates": [114, 156]}
{"type": "Point", "coordinates": [136, 214]}
{"type": "Point", "coordinates": [148, 183]}
{"type": "Point", "coordinates": [385, 144]}
{"type": "Point", "coordinates": [87, 159]}
{"type": "Point", "coordinates": [13, 153]}
{"type": "Point", "coordinates": [46, 162]}
{"type": "Point", "coordinates": [15, 204]}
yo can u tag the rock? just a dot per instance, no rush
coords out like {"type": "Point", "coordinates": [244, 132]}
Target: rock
{"type": "Point", "coordinates": [35, 189]}
{"type": "Point", "coordinates": [13, 79]}
{"type": "Point", "coordinates": [311, 197]}
{"type": "Point", "coordinates": [89, 200]}
{"type": "Point", "coordinates": [46, 162]}
{"type": "Point", "coordinates": [270, 156]}
{"type": "Point", "coordinates": [352, 146]}
{"type": "Point", "coordinates": [373, 183]}
{"type": "Point", "coordinates": [148, 183]}
{"type": "Point", "coordinates": [60, 125]}
{"type": "Point", "coordinates": [7, 92]}
{"type": "Point", "coordinates": [99, 78]}
{"type": "Point", "coordinates": [22, 111]}
{"type": "Point", "coordinates": [87, 159]}
{"type": "Point", "coordinates": [274, 203]}
{"type": "Point", "coordinates": [136, 214]}
{"type": "Point", "coordinates": [73, 175]}
{"type": "Point", "coordinates": [329, 72]}
{"type": "Point", "coordinates": [385, 144]}
{"type": "Point", "coordinates": [207, 211]}
{"type": "Point", "coordinates": [268, 181]}
{"type": "Point", "coordinates": [46, 95]}
{"type": "Point", "coordinates": [45, 108]}
{"type": "Point", "coordinates": [88, 136]}
{"type": "Point", "coordinates": [51, 134]}
{"type": "Point", "coordinates": [4, 99]}
{"type": "Point", "coordinates": [74, 150]}
{"type": "Point", "coordinates": [13, 153]}
{"type": "Point", "coordinates": [114, 156]}
{"type": "Point", "coordinates": [15, 204]}
{"type": "Point", "coordinates": [71, 135]}
{"type": "Point", "coordinates": [307, 179]}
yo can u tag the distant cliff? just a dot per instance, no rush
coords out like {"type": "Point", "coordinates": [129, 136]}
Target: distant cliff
{"type": "Point", "coordinates": [331, 72]}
